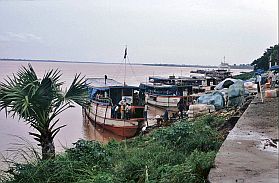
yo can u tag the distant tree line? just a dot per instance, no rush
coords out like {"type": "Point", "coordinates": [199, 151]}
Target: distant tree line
{"type": "Point", "coordinates": [271, 54]}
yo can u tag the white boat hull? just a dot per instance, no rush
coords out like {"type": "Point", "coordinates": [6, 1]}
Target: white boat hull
{"type": "Point", "coordinates": [163, 101]}
{"type": "Point", "coordinates": [101, 115]}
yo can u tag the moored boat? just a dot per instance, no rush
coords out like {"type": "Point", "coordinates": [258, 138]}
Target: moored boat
{"type": "Point", "coordinates": [115, 107]}
{"type": "Point", "coordinates": [167, 92]}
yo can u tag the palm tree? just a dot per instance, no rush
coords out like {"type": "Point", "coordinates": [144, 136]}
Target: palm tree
{"type": "Point", "coordinates": [39, 101]}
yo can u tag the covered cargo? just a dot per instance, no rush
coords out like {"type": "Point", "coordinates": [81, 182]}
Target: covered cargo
{"type": "Point", "coordinates": [271, 93]}
{"type": "Point", "coordinates": [225, 83]}
{"type": "Point", "coordinates": [251, 87]}
{"type": "Point", "coordinates": [236, 94]}
{"type": "Point", "coordinates": [199, 109]}
{"type": "Point", "coordinates": [216, 98]}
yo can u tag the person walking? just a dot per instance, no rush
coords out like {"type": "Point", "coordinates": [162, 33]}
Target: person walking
{"type": "Point", "coordinates": [273, 80]}
{"type": "Point", "coordinates": [258, 81]}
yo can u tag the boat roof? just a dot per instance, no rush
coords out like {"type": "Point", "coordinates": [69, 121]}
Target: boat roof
{"type": "Point", "coordinates": [100, 82]}
{"type": "Point", "coordinates": [157, 85]}
{"type": "Point", "coordinates": [179, 78]}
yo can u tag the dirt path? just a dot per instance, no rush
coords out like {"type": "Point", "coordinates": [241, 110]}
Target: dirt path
{"type": "Point", "coordinates": [248, 154]}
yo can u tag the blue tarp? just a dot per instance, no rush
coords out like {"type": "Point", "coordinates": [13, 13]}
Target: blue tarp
{"type": "Point", "coordinates": [237, 89]}
{"type": "Point", "coordinates": [275, 67]}
{"type": "Point", "coordinates": [236, 94]}
{"type": "Point", "coordinates": [216, 98]}
{"type": "Point", "coordinates": [259, 71]}
{"type": "Point", "coordinates": [92, 92]}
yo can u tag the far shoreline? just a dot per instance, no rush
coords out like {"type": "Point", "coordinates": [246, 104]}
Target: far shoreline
{"type": "Point", "coordinates": [144, 64]}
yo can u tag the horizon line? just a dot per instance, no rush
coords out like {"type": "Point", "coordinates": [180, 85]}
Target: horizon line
{"type": "Point", "coordinates": [99, 62]}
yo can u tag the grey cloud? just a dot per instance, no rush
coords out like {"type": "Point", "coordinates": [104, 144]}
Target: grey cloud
{"type": "Point", "coordinates": [19, 37]}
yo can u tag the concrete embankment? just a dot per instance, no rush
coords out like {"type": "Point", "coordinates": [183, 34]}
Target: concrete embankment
{"type": "Point", "coordinates": [250, 151]}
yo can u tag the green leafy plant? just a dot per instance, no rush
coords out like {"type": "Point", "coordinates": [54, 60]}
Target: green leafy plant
{"type": "Point", "coordinates": [89, 152]}
{"type": "Point", "coordinates": [39, 102]}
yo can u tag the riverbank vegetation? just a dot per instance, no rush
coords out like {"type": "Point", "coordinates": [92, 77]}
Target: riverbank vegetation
{"type": "Point", "coordinates": [182, 152]}
{"type": "Point", "coordinates": [270, 55]}
{"type": "Point", "coordinates": [245, 76]}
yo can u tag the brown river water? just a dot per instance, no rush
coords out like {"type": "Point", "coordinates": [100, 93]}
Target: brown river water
{"type": "Point", "coordinates": [77, 128]}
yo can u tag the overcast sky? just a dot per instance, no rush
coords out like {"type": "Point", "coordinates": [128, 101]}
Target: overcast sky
{"type": "Point", "coordinates": [156, 31]}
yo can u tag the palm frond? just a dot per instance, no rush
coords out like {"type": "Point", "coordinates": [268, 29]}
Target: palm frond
{"type": "Point", "coordinates": [55, 131]}
{"type": "Point", "coordinates": [78, 91]}
{"type": "Point", "coordinates": [16, 93]}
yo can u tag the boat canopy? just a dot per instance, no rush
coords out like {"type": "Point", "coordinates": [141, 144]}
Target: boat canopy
{"type": "Point", "coordinates": [102, 83]}
{"type": "Point", "coordinates": [159, 89]}
{"type": "Point", "coordinates": [109, 89]}
{"type": "Point", "coordinates": [181, 80]}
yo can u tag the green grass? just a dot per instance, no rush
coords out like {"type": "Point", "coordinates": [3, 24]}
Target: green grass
{"type": "Point", "coordinates": [183, 152]}
{"type": "Point", "coordinates": [245, 76]}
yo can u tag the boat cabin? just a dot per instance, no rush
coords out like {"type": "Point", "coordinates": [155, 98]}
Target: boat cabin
{"type": "Point", "coordinates": [112, 93]}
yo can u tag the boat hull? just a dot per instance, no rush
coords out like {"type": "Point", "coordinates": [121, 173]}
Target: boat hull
{"type": "Point", "coordinates": [166, 102]}
{"type": "Point", "coordinates": [100, 115]}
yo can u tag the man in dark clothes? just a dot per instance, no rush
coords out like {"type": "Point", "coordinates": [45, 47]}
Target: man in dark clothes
{"type": "Point", "coordinates": [113, 112]}
{"type": "Point", "coordinates": [181, 107]}
{"type": "Point", "coordinates": [166, 116]}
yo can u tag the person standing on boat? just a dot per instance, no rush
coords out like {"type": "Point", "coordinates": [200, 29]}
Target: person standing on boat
{"type": "Point", "coordinates": [127, 111]}
{"type": "Point", "coordinates": [114, 111]}
{"type": "Point", "coordinates": [122, 111]}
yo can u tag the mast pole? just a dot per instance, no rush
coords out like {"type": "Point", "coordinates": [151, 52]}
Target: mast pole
{"type": "Point", "coordinates": [125, 57]}
{"type": "Point", "coordinates": [125, 74]}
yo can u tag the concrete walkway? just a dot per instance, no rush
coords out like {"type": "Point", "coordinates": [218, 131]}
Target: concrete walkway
{"type": "Point", "coordinates": [245, 155]}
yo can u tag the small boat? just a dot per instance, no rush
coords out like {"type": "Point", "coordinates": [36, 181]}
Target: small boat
{"type": "Point", "coordinates": [199, 71]}
{"type": "Point", "coordinates": [109, 102]}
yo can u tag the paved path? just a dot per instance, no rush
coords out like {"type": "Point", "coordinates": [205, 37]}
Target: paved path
{"type": "Point", "coordinates": [243, 157]}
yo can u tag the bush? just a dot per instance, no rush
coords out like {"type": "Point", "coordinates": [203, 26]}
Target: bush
{"type": "Point", "coordinates": [89, 152]}
{"type": "Point", "coordinates": [188, 136]}
{"type": "Point", "coordinates": [183, 152]}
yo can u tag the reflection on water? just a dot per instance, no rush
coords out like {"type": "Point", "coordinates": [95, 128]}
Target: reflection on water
{"type": "Point", "coordinates": [92, 131]}
{"type": "Point", "coordinates": [96, 132]}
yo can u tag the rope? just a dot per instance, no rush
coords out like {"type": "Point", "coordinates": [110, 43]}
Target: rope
{"type": "Point", "coordinates": [132, 70]}
{"type": "Point", "coordinates": [116, 75]}
{"type": "Point", "coordinates": [116, 72]}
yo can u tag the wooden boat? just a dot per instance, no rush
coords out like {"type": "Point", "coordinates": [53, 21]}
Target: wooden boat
{"type": "Point", "coordinates": [217, 75]}
{"type": "Point", "coordinates": [221, 73]}
{"type": "Point", "coordinates": [167, 92]}
{"type": "Point", "coordinates": [199, 71]}
{"type": "Point", "coordinates": [105, 95]}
